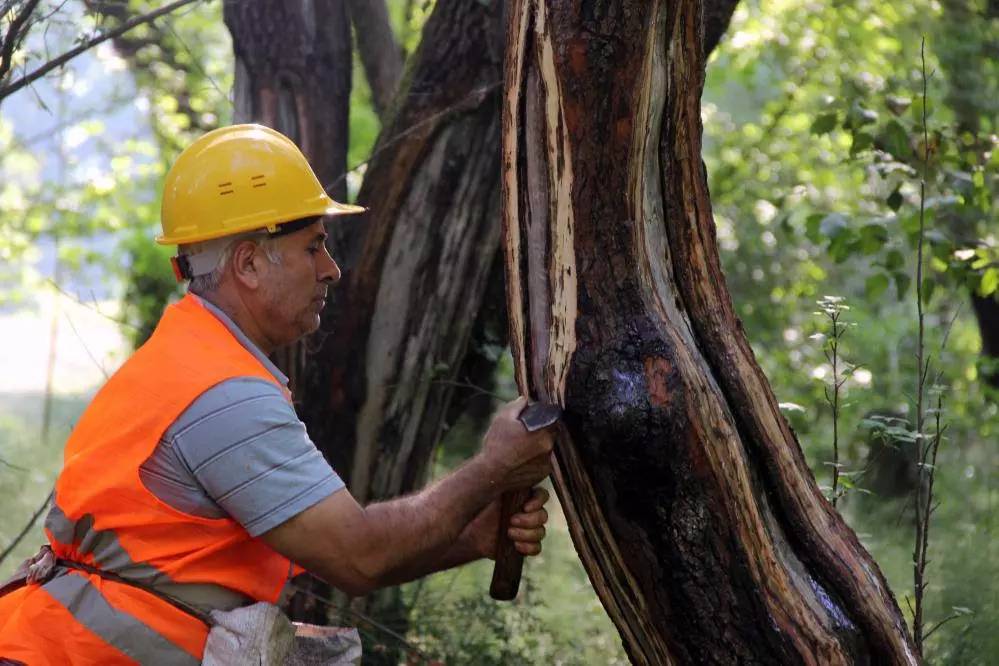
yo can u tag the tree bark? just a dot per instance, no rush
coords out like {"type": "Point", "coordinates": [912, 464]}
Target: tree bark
{"type": "Point", "coordinates": [16, 24]}
{"type": "Point", "coordinates": [687, 495]}
{"type": "Point", "coordinates": [717, 16]}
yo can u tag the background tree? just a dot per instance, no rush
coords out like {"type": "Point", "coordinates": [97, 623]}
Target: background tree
{"type": "Point", "coordinates": [379, 385]}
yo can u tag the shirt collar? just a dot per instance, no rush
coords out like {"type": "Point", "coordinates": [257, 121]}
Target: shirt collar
{"type": "Point", "coordinates": [243, 339]}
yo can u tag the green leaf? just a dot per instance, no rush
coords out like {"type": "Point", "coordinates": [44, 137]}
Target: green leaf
{"type": "Point", "coordinates": [894, 199]}
{"type": "Point", "coordinates": [872, 238]}
{"type": "Point", "coordinates": [980, 262]}
{"type": "Point", "coordinates": [894, 260]}
{"type": "Point", "coordinates": [813, 227]}
{"type": "Point", "coordinates": [989, 283]}
{"type": "Point", "coordinates": [896, 140]}
{"type": "Point", "coordinates": [875, 286]}
{"type": "Point", "coordinates": [843, 245]}
{"type": "Point", "coordinates": [861, 142]}
{"type": "Point", "coordinates": [902, 282]}
{"type": "Point", "coordinates": [929, 286]}
{"type": "Point", "coordinates": [824, 124]}
{"type": "Point", "coordinates": [833, 225]}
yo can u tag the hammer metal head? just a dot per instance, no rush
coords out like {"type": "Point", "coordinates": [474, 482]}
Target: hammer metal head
{"type": "Point", "coordinates": [539, 415]}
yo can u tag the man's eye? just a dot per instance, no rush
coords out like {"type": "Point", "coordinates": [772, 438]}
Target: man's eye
{"type": "Point", "coordinates": [313, 250]}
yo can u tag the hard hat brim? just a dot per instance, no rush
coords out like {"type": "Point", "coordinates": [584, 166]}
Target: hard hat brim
{"type": "Point", "coordinates": [332, 209]}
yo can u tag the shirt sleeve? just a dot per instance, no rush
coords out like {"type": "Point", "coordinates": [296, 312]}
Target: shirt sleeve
{"type": "Point", "coordinates": [244, 444]}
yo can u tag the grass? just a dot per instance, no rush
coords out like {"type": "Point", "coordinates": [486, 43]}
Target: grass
{"type": "Point", "coordinates": [30, 466]}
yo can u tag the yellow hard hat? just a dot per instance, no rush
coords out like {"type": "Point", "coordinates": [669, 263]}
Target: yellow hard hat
{"type": "Point", "coordinates": [240, 178]}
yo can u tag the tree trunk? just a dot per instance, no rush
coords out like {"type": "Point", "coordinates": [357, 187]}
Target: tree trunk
{"type": "Point", "coordinates": [987, 315]}
{"type": "Point", "coordinates": [971, 97]}
{"type": "Point", "coordinates": [382, 378]}
{"type": "Point", "coordinates": [293, 73]}
{"type": "Point", "coordinates": [687, 495]}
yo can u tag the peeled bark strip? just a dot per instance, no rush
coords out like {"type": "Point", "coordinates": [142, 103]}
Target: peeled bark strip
{"type": "Point", "coordinates": [688, 497]}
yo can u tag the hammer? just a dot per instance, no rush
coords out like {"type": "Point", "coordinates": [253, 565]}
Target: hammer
{"type": "Point", "coordinates": [509, 562]}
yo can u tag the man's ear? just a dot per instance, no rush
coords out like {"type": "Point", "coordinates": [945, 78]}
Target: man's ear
{"type": "Point", "coordinates": [245, 263]}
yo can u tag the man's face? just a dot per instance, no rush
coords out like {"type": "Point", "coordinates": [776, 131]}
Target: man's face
{"type": "Point", "coordinates": [294, 290]}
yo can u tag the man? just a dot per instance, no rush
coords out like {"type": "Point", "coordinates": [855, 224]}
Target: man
{"type": "Point", "coordinates": [189, 484]}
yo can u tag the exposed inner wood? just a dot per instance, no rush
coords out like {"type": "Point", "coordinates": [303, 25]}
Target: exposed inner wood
{"type": "Point", "coordinates": [535, 233]}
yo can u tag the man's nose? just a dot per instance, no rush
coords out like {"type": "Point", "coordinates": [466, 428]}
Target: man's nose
{"type": "Point", "coordinates": [328, 269]}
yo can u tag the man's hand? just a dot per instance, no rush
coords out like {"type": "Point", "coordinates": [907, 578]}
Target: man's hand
{"type": "Point", "coordinates": [526, 529]}
{"type": "Point", "coordinates": [520, 459]}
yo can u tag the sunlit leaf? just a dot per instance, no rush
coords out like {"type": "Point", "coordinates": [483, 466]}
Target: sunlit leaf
{"type": "Point", "coordinates": [989, 283]}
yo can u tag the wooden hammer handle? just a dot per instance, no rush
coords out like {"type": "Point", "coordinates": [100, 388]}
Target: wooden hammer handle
{"type": "Point", "coordinates": [509, 562]}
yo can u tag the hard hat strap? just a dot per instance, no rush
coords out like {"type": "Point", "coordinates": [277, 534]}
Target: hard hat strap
{"type": "Point", "coordinates": [188, 265]}
{"type": "Point", "coordinates": [202, 258]}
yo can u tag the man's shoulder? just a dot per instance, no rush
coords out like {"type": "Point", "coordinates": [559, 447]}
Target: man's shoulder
{"type": "Point", "coordinates": [238, 402]}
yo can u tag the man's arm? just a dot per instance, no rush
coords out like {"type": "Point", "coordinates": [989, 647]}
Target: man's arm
{"type": "Point", "coordinates": [359, 549]}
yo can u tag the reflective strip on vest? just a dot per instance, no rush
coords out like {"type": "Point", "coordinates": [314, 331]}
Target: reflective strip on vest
{"type": "Point", "coordinates": [108, 553]}
{"type": "Point", "coordinates": [114, 626]}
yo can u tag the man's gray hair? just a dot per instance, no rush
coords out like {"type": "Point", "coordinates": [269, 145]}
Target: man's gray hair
{"type": "Point", "coordinates": [209, 282]}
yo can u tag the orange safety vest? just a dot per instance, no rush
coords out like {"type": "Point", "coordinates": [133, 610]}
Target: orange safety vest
{"type": "Point", "coordinates": [105, 517]}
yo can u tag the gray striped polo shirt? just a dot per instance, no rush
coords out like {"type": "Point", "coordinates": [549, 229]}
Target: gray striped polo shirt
{"type": "Point", "coordinates": [240, 450]}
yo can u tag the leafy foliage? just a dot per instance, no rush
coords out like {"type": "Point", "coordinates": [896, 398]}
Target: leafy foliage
{"type": "Point", "coordinates": [814, 141]}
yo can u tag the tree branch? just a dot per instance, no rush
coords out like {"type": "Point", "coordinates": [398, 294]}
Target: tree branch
{"type": "Point", "coordinates": [15, 33]}
{"type": "Point", "coordinates": [717, 15]}
{"type": "Point", "coordinates": [381, 55]}
{"type": "Point", "coordinates": [130, 47]}
{"type": "Point", "coordinates": [27, 528]}
{"type": "Point", "coordinates": [27, 79]}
